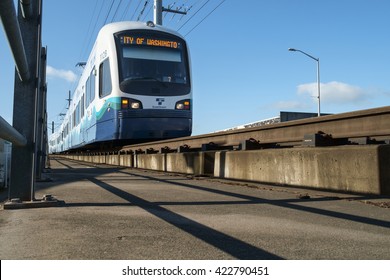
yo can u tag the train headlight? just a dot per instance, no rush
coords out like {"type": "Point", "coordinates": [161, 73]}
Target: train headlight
{"type": "Point", "coordinates": [135, 105]}
{"type": "Point", "coordinates": [128, 103]}
{"type": "Point", "coordinates": [183, 105]}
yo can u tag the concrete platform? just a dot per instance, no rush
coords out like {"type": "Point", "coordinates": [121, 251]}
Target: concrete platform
{"type": "Point", "coordinates": [125, 213]}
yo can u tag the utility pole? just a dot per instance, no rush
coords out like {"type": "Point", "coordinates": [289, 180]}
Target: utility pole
{"type": "Point", "coordinates": [159, 9]}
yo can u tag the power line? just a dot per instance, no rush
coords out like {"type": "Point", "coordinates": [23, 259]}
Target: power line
{"type": "Point", "coordinates": [205, 18]}
{"type": "Point", "coordinates": [150, 8]}
{"type": "Point", "coordinates": [194, 14]}
{"type": "Point", "coordinates": [126, 10]}
{"type": "Point", "coordinates": [88, 30]}
{"type": "Point", "coordinates": [94, 28]}
{"type": "Point", "coordinates": [139, 3]}
{"type": "Point", "coordinates": [143, 9]}
{"type": "Point", "coordinates": [116, 11]}
{"type": "Point", "coordinates": [109, 11]}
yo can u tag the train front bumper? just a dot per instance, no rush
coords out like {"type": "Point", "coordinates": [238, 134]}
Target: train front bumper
{"type": "Point", "coordinates": [153, 124]}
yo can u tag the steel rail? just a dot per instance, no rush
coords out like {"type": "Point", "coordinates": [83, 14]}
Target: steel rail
{"type": "Point", "coordinates": [373, 123]}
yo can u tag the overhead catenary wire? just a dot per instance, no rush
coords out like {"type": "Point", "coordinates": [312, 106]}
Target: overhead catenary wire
{"type": "Point", "coordinates": [143, 9]}
{"type": "Point", "coordinates": [96, 22]}
{"type": "Point", "coordinates": [205, 18]}
{"type": "Point", "coordinates": [82, 50]}
{"type": "Point", "coordinates": [193, 15]}
{"type": "Point", "coordinates": [126, 10]}
{"type": "Point", "coordinates": [146, 15]}
{"type": "Point", "coordinates": [109, 11]}
{"type": "Point", "coordinates": [135, 11]}
{"type": "Point", "coordinates": [116, 11]}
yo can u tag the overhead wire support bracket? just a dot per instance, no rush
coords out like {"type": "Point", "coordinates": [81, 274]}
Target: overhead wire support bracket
{"type": "Point", "coordinates": [174, 11]}
{"type": "Point", "coordinates": [159, 9]}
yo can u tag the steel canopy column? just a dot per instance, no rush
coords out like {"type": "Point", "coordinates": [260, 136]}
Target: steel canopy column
{"type": "Point", "coordinates": [41, 119]}
{"type": "Point", "coordinates": [25, 103]}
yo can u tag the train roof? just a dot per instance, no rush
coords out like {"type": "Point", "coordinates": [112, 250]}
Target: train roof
{"type": "Point", "coordinates": [115, 27]}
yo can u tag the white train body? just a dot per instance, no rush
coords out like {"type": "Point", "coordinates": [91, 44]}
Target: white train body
{"type": "Point", "coordinates": [136, 86]}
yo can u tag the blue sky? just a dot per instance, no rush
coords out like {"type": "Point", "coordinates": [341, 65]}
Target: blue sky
{"type": "Point", "coordinates": [242, 69]}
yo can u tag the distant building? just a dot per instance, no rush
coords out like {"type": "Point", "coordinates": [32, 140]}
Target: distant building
{"type": "Point", "coordinates": [283, 117]}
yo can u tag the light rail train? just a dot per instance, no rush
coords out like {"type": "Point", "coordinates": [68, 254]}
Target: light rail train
{"type": "Point", "coordinates": [135, 87]}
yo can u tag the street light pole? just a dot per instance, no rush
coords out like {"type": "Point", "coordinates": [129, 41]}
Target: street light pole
{"type": "Point", "coordinates": [318, 76]}
{"type": "Point", "coordinates": [318, 87]}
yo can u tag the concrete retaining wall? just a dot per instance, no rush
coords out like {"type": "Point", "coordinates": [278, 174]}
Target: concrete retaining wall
{"type": "Point", "coordinates": [359, 169]}
{"type": "Point", "coordinates": [197, 163]}
{"type": "Point", "coordinates": [362, 169]}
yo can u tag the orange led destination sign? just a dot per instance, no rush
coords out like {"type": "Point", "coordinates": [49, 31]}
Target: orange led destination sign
{"type": "Point", "coordinates": [129, 40]}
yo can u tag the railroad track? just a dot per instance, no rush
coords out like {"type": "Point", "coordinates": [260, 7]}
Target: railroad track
{"type": "Point", "coordinates": [358, 127]}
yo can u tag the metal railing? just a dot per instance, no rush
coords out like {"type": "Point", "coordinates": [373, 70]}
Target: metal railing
{"type": "Point", "coordinates": [7, 132]}
{"type": "Point", "coordinates": [12, 31]}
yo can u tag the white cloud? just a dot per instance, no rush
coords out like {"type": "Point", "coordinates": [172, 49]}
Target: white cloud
{"type": "Point", "coordinates": [336, 92]}
{"type": "Point", "coordinates": [61, 74]}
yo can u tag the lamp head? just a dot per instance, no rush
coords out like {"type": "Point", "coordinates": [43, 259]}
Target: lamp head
{"type": "Point", "coordinates": [292, 50]}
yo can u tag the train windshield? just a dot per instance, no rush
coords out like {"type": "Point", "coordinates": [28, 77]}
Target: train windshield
{"type": "Point", "coordinates": [152, 64]}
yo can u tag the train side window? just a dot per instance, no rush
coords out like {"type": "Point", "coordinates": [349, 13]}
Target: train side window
{"type": "Point", "coordinates": [82, 106]}
{"type": "Point", "coordinates": [93, 79]}
{"type": "Point", "coordinates": [77, 114]}
{"type": "Point", "coordinates": [90, 88]}
{"type": "Point", "coordinates": [87, 92]}
{"type": "Point", "coordinates": [105, 86]}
